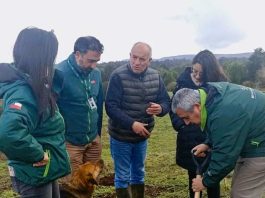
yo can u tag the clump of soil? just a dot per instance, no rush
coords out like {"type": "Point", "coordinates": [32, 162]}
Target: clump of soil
{"type": "Point", "coordinates": [107, 180]}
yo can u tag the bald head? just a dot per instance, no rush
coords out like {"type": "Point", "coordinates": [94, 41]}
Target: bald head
{"type": "Point", "coordinates": [143, 46]}
{"type": "Point", "coordinates": [140, 57]}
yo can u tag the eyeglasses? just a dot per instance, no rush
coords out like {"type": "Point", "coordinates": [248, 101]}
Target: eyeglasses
{"type": "Point", "coordinates": [196, 72]}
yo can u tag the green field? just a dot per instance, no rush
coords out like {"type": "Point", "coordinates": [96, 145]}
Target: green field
{"type": "Point", "coordinates": [164, 179]}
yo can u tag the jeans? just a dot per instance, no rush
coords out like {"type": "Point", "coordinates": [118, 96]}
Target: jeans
{"type": "Point", "coordinates": [129, 161]}
{"type": "Point", "coordinates": [49, 190]}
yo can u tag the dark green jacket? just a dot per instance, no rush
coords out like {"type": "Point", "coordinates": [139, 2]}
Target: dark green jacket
{"type": "Point", "coordinates": [82, 123]}
{"type": "Point", "coordinates": [235, 126]}
{"type": "Point", "coordinates": [24, 136]}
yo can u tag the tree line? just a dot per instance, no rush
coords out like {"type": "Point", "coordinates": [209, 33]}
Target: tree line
{"type": "Point", "coordinates": [245, 71]}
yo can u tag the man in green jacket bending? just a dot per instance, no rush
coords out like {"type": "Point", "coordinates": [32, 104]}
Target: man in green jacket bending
{"type": "Point", "coordinates": [234, 118]}
{"type": "Point", "coordinates": [78, 85]}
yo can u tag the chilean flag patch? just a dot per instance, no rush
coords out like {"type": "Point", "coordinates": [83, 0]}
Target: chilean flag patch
{"type": "Point", "coordinates": [16, 105]}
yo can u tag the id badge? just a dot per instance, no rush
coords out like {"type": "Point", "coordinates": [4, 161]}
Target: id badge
{"type": "Point", "coordinates": [92, 104]}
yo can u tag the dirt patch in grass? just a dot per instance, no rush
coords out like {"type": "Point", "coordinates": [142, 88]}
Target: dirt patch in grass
{"type": "Point", "coordinates": [107, 180]}
{"type": "Point", "coordinates": [150, 190]}
{"type": "Point", "coordinates": [107, 196]}
{"type": "Point", "coordinates": [155, 191]}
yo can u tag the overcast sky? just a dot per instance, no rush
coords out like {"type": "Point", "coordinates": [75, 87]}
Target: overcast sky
{"type": "Point", "coordinates": [171, 27]}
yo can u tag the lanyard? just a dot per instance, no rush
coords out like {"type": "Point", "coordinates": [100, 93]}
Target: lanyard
{"type": "Point", "coordinates": [84, 82]}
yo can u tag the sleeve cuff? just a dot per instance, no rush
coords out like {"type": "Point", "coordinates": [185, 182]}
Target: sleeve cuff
{"type": "Point", "coordinates": [203, 183]}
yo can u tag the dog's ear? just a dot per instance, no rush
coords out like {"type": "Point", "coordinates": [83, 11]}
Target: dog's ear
{"type": "Point", "coordinates": [100, 163]}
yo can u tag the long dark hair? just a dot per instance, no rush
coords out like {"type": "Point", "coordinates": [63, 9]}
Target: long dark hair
{"type": "Point", "coordinates": [34, 54]}
{"type": "Point", "coordinates": [211, 68]}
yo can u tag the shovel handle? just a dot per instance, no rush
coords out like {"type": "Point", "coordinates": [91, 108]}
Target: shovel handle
{"type": "Point", "coordinates": [197, 194]}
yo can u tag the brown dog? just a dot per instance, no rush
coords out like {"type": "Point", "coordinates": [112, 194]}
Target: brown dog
{"type": "Point", "coordinates": [83, 181]}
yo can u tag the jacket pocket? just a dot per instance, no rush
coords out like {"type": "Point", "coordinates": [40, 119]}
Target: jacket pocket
{"type": "Point", "coordinates": [47, 167]}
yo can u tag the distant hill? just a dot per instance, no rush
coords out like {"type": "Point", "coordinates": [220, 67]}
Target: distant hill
{"type": "Point", "coordinates": [190, 56]}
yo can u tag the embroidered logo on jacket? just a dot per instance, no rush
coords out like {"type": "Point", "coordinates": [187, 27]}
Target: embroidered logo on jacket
{"type": "Point", "coordinates": [1, 106]}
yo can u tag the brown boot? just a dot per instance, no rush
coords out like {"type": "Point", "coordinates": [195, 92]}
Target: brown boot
{"type": "Point", "coordinates": [137, 190]}
{"type": "Point", "coordinates": [122, 193]}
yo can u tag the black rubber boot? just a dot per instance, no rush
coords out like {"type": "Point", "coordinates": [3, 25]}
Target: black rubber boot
{"type": "Point", "coordinates": [123, 193]}
{"type": "Point", "coordinates": [137, 190]}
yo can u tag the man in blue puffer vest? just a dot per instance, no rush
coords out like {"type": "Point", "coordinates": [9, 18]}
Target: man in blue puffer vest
{"type": "Point", "coordinates": [78, 85]}
{"type": "Point", "coordinates": [135, 94]}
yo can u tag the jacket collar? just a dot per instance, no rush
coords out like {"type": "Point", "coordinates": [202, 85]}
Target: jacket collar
{"type": "Point", "coordinates": [77, 67]}
{"type": "Point", "coordinates": [140, 75]}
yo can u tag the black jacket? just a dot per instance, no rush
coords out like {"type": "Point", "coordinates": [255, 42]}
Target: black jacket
{"type": "Point", "coordinates": [188, 136]}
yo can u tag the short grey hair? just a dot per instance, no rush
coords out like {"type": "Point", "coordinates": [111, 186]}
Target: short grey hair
{"type": "Point", "coordinates": [185, 99]}
{"type": "Point", "coordinates": [146, 45]}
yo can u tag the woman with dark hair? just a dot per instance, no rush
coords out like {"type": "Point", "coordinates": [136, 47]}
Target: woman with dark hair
{"type": "Point", "coordinates": [205, 68]}
{"type": "Point", "coordinates": [212, 71]}
{"type": "Point", "coordinates": [31, 127]}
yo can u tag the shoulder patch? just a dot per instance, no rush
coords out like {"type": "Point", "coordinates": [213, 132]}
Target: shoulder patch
{"type": "Point", "coordinates": [1, 106]}
{"type": "Point", "coordinates": [16, 105]}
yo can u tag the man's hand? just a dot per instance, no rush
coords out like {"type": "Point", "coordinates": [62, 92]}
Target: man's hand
{"type": "Point", "coordinates": [139, 128]}
{"type": "Point", "coordinates": [200, 150]}
{"type": "Point", "coordinates": [154, 109]}
{"type": "Point", "coordinates": [43, 162]}
{"type": "Point", "coordinates": [197, 185]}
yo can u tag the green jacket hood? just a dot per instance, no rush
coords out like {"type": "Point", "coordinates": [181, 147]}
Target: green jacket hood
{"type": "Point", "coordinates": [8, 75]}
{"type": "Point", "coordinates": [221, 87]}
{"type": "Point", "coordinates": [77, 67]}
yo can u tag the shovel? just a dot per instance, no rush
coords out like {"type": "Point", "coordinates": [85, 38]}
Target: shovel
{"type": "Point", "coordinates": [199, 167]}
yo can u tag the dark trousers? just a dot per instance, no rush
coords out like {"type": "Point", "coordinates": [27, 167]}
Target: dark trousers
{"type": "Point", "coordinates": [49, 190]}
{"type": "Point", "coordinates": [213, 192]}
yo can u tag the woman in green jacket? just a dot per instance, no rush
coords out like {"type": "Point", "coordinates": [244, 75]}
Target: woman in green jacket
{"type": "Point", "coordinates": [31, 128]}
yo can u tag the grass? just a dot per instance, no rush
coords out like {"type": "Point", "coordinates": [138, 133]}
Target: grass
{"type": "Point", "coordinates": [5, 185]}
{"type": "Point", "coordinates": [164, 179]}
{"type": "Point", "coordinates": [162, 174]}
